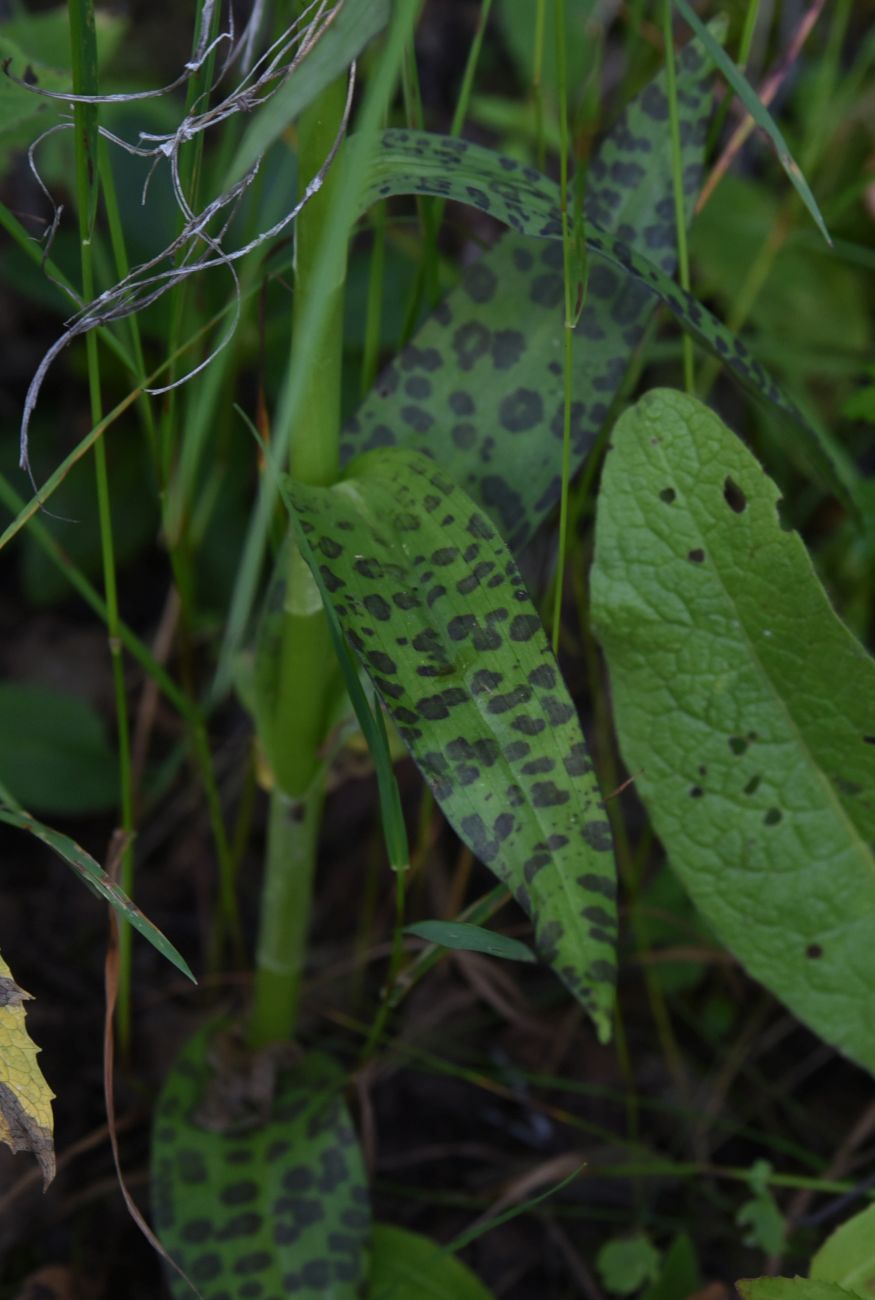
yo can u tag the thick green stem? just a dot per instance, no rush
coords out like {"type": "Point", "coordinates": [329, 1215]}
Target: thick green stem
{"type": "Point", "coordinates": [307, 664]}
{"type": "Point", "coordinates": [292, 842]}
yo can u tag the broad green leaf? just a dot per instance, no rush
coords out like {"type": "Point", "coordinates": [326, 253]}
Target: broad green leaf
{"type": "Point", "coordinates": [357, 23]}
{"type": "Point", "coordinates": [758, 111]}
{"type": "Point", "coordinates": [36, 47]}
{"type": "Point", "coordinates": [54, 754]}
{"type": "Point", "coordinates": [257, 1176]}
{"type": "Point", "coordinates": [745, 709]}
{"type": "Point", "coordinates": [790, 1288]}
{"type": "Point", "coordinates": [415, 162]}
{"type": "Point", "coordinates": [625, 1264]}
{"type": "Point", "coordinates": [499, 335]}
{"type": "Point", "coordinates": [25, 1097]}
{"type": "Point", "coordinates": [408, 1266]}
{"type": "Point", "coordinates": [93, 875]}
{"type": "Point", "coordinates": [847, 1257]}
{"type": "Point", "coordinates": [471, 938]}
{"type": "Point", "coordinates": [435, 607]}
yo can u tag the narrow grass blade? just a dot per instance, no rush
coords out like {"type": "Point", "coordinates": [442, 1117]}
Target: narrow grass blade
{"type": "Point", "coordinates": [744, 707]}
{"type": "Point", "coordinates": [357, 23]}
{"type": "Point", "coordinates": [760, 114]}
{"type": "Point", "coordinates": [435, 608]}
{"type": "Point", "coordinates": [463, 937]}
{"type": "Point", "coordinates": [93, 875]}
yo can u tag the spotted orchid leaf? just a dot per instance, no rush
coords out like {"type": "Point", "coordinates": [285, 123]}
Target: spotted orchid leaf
{"type": "Point", "coordinates": [94, 876]}
{"type": "Point", "coordinates": [745, 710]}
{"type": "Point", "coordinates": [434, 606]}
{"type": "Point", "coordinates": [419, 163]}
{"type": "Point", "coordinates": [480, 386]}
{"type": "Point", "coordinates": [501, 331]}
{"type": "Point", "coordinates": [257, 1176]}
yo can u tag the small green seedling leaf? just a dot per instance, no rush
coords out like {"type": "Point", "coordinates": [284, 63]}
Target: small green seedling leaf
{"type": "Point", "coordinates": [459, 384]}
{"type": "Point", "coordinates": [760, 1215]}
{"type": "Point", "coordinates": [54, 754]}
{"type": "Point", "coordinates": [408, 1266]}
{"type": "Point", "coordinates": [847, 1257]}
{"type": "Point", "coordinates": [25, 1097]}
{"type": "Point", "coordinates": [357, 22]}
{"type": "Point", "coordinates": [257, 1176]}
{"type": "Point", "coordinates": [678, 1272]}
{"type": "Point", "coordinates": [625, 1264]}
{"type": "Point", "coordinates": [745, 708]}
{"type": "Point", "coordinates": [790, 1288]}
{"type": "Point", "coordinates": [471, 938]}
{"type": "Point", "coordinates": [436, 610]}
{"type": "Point", "coordinates": [94, 876]}
{"type": "Point", "coordinates": [758, 111]}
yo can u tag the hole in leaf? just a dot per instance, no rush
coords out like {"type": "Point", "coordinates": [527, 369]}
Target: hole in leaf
{"type": "Point", "coordinates": [869, 740]}
{"type": "Point", "coordinates": [737, 744]}
{"type": "Point", "coordinates": [753, 784]}
{"type": "Point", "coordinates": [696, 792]}
{"type": "Point", "coordinates": [773, 816]}
{"type": "Point", "coordinates": [733, 495]}
{"type": "Point", "coordinates": [814, 951]}
{"type": "Point", "coordinates": [696, 556]}
{"type": "Point", "coordinates": [783, 515]}
{"type": "Point", "coordinates": [667, 495]}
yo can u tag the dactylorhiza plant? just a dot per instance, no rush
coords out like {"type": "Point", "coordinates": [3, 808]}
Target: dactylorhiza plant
{"type": "Point", "coordinates": [398, 595]}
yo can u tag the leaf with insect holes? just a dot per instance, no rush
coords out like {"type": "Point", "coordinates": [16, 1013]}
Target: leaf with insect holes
{"type": "Point", "coordinates": [847, 1257]}
{"type": "Point", "coordinates": [433, 604]}
{"type": "Point", "coordinates": [97, 880]}
{"type": "Point", "coordinates": [25, 1097]}
{"type": "Point", "coordinates": [745, 708]}
{"type": "Point", "coordinates": [458, 386]}
{"type": "Point", "coordinates": [257, 1176]}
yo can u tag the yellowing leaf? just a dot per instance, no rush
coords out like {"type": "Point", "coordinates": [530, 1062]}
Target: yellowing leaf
{"type": "Point", "coordinates": [25, 1097]}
